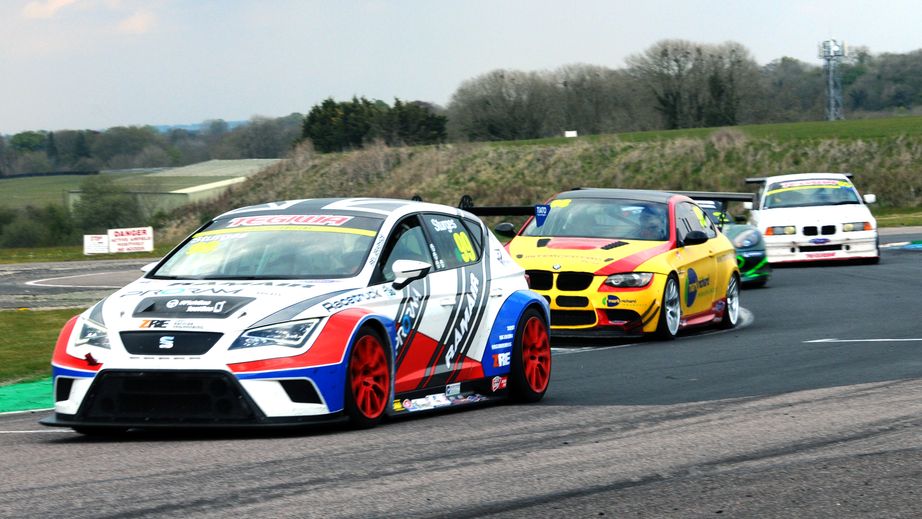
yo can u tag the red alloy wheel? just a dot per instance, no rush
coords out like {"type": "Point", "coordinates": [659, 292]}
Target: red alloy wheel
{"type": "Point", "coordinates": [370, 377]}
{"type": "Point", "coordinates": [536, 355]}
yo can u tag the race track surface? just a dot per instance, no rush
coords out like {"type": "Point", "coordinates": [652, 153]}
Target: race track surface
{"type": "Point", "coordinates": [812, 410]}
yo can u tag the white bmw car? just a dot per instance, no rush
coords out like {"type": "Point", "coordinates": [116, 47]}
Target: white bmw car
{"type": "Point", "coordinates": [308, 310]}
{"type": "Point", "coordinates": [814, 217]}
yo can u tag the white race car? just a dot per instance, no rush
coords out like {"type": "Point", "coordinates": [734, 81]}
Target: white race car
{"type": "Point", "coordinates": [814, 217]}
{"type": "Point", "coordinates": [308, 310]}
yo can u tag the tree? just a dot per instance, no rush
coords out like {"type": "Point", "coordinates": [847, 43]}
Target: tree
{"type": "Point", "coordinates": [104, 205]}
{"type": "Point", "coordinates": [28, 141]}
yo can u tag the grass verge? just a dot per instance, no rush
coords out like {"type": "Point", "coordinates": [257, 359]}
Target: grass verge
{"type": "Point", "coordinates": [73, 253]}
{"type": "Point", "coordinates": [27, 341]}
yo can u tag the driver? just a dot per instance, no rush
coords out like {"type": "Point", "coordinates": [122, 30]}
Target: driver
{"type": "Point", "coordinates": [651, 225]}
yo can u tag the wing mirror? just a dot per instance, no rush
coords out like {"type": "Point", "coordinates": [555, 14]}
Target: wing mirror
{"type": "Point", "coordinates": [870, 198]}
{"type": "Point", "coordinates": [505, 229]}
{"type": "Point", "coordinates": [407, 271]}
{"type": "Point", "coordinates": [695, 238]}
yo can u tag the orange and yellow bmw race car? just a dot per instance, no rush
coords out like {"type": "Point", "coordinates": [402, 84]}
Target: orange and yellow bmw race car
{"type": "Point", "coordinates": [621, 262]}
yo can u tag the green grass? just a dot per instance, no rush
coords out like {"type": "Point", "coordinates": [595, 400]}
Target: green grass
{"type": "Point", "coordinates": [27, 342]}
{"type": "Point", "coordinates": [73, 253]}
{"type": "Point", "coordinates": [888, 127]}
{"type": "Point", "coordinates": [41, 191]}
{"type": "Point", "coordinates": [898, 217]}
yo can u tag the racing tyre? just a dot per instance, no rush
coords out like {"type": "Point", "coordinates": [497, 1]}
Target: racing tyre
{"type": "Point", "coordinates": [670, 314]}
{"type": "Point", "coordinates": [530, 372]}
{"type": "Point", "coordinates": [368, 380]}
{"type": "Point", "coordinates": [732, 310]}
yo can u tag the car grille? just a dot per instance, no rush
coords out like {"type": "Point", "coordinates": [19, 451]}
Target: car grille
{"type": "Point", "coordinates": [811, 230]}
{"type": "Point", "coordinates": [566, 281]}
{"type": "Point", "coordinates": [191, 397]}
{"type": "Point", "coordinates": [573, 317]}
{"type": "Point", "coordinates": [573, 301]}
{"type": "Point", "coordinates": [169, 343]}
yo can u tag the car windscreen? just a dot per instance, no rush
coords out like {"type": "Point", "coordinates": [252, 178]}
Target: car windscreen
{"type": "Point", "coordinates": [810, 192]}
{"type": "Point", "coordinates": [603, 218]}
{"type": "Point", "coordinates": [319, 246]}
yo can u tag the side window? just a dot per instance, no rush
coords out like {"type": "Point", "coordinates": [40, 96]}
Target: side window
{"type": "Point", "coordinates": [706, 224]}
{"type": "Point", "coordinates": [474, 230]}
{"type": "Point", "coordinates": [689, 218]}
{"type": "Point", "coordinates": [452, 241]}
{"type": "Point", "coordinates": [407, 241]}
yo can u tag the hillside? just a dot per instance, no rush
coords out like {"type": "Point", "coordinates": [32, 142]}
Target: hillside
{"type": "Point", "coordinates": [884, 154]}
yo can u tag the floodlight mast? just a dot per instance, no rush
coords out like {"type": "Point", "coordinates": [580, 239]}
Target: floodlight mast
{"type": "Point", "coordinates": [832, 52]}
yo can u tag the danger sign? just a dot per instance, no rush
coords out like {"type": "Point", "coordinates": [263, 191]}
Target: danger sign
{"type": "Point", "coordinates": [134, 239]}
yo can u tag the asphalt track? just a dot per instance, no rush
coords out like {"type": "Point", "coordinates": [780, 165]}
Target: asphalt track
{"type": "Point", "coordinates": [812, 410]}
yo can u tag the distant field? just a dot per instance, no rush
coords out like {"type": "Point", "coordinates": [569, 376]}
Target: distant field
{"type": "Point", "coordinates": [41, 191]}
{"type": "Point", "coordinates": [850, 129]}
{"type": "Point", "coordinates": [156, 183]}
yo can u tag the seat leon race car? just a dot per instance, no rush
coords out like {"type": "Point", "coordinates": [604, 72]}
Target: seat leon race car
{"type": "Point", "coordinates": [303, 311]}
{"type": "Point", "coordinates": [619, 262]}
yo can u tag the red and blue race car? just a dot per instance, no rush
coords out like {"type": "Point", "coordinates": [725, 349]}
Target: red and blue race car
{"type": "Point", "coordinates": [303, 311]}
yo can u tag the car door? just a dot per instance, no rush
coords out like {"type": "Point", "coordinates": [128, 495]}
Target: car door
{"type": "Point", "coordinates": [698, 264]}
{"type": "Point", "coordinates": [419, 315]}
{"type": "Point", "coordinates": [461, 285]}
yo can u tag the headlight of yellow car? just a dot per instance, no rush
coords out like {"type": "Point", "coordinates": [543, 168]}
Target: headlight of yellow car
{"type": "Point", "coordinates": [629, 279]}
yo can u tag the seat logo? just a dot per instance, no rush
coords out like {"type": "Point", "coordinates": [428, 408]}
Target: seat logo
{"type": "Point", "coordinates": [166, 342]}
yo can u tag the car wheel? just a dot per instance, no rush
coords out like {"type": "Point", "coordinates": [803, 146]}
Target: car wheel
{"type": "Point", "coordinates": [368, 380]}
{"type": "Point", "coordinates": [670, 314]}
{"type": "Point", "coordinates": [531, 358]}
{"type": "Point", "coordinates": [732, 309]}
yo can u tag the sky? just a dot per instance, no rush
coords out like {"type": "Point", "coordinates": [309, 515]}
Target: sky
{"type": "Point", "coordinates": [94, 64]}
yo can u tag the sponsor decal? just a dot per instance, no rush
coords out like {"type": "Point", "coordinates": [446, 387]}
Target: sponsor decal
{"type": "Point", "coordinates": [453, 389]}
{"type": "Point", "coordinates": [501, 360]}
{"type": "Point", "coordinates": [821, 254]}
{"type": "Point", "coordinates": [408, 405]}
{"type": "Point", "coordinates": [166, 342]}
{"type": "Point", "coordinates": [506, 336]}
{"type": "Point", "coordinates": [498, 383]}
{"type": "Point", "coordinates": [447, 225]}
{"type": "Point", "coordinates": [693, 285]}
{"type": "Point", "coordinates": [180, 291]}
{"type": "Point", "coordinates": [398, 406]}
{"type": "Point", "coordinates": [199, 307]}
{"type": "Point", "coordinates": [408, 319]}
{"type": "Point", "coordinates": [376, 249]}
{"type": "Point", "coordinates": [438, 400]}
{"type": "Point", "coordinates": [501, 346]}
{"type": "Point", "coordinates": [819, 241]}
{"type": "Point", "coordinates": [541, 212]}
{"type": "Point", "coordinates": [288, 219]}
{"type": "Point", "coordinates": [466, 310]}
{"type": "Point", "coordinates": [176, 324]}
{"type": "Point", "coordinates": [612, 300]}
{"type": "Point", "coordinates": [367, 295]}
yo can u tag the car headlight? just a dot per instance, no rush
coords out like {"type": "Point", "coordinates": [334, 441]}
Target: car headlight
{"type": "Point", "coordinates": [857, 226]}
{"type": "Point", "coordinates": [745, 239]}
{"type": "Point", "coordinates": [291, 335]}
{"type": "Point", "coordinates": [629, 279]}
{"type": "Point", "coordinates": [778, 230]}
{"type": "Point", "coordinates": [92, 334]}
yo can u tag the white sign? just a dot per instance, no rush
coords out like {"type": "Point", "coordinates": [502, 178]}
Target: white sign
{"type": "Point", "coordinates": [95, 244]}
{"type": "Point", "coordinates": [570, 133]}
{"type": "Point", "coordinates": [135, 239]}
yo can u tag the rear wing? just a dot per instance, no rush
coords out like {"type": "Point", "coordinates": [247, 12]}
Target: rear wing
{"type": "Point", "coordinates": [467, 204]}
{"type": "Point", "coordinates": [718, 196]}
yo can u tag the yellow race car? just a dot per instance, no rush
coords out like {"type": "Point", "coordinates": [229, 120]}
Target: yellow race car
{"type": "Point", "coordinates": [623, 263]}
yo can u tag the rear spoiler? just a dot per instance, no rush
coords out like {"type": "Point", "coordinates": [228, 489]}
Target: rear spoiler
{"type": "Point", "coordinates": [467, 204]}
{"type": "Point", "coordinates": [718, 196]}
